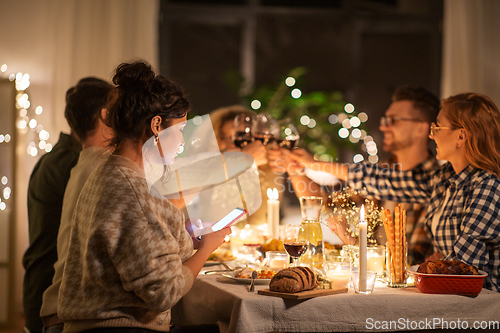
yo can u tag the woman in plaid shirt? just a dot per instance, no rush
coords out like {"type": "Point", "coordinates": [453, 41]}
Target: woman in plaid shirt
{"type": "Point", "coordinates": [462, 196]}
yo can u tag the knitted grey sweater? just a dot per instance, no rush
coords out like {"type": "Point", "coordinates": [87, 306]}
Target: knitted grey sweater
{"type": "Point", "coordinates": [124, 266]}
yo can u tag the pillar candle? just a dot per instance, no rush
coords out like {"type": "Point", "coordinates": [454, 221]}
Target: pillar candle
{"type": "Point", "coordinates": [362, 250]}
{"type": "Point", "coordinates": [273, 213]}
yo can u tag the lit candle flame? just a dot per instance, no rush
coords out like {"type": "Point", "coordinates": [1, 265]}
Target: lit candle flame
{"type": "Point", "coordinates": [362, 213]}
{"type": "Point", "coordinates": [272, 194]}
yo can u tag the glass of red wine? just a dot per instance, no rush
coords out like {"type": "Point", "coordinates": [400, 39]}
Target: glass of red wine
{"type": "Point", "coordinates": [262, 128]}
{"type": "Point", "coordinates": [243, 123]}
{"type": "Point", "coordinates": [286, 134]}
{"type": "Point", "coordinates": [295, 245]}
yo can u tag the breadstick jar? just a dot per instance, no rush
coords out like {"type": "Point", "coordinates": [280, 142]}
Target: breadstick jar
{"type": "Point", "coordinates": [396, 247]}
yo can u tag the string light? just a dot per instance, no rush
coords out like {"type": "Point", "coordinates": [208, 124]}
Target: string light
{"type": "Point", "coordinates": [350, 131]}
{"type": "Point", "coordinates": [24, 123]}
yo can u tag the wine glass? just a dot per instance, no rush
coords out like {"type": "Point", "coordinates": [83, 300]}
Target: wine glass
{"type": "Point", "coordinates": [262, 128]}
{"type": "Point", "coordinates": [243, 123]}
{"type": "Point", "coordinates": [295, 245]}
{"type": "Point", "coordinates": [286, 134]}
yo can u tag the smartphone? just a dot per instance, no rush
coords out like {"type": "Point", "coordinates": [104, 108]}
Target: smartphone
{"type": "Point", "coordinates": [229, 219]}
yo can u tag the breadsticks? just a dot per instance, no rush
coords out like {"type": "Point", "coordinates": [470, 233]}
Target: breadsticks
{"type": "Point", "coordinates": [396, 244]}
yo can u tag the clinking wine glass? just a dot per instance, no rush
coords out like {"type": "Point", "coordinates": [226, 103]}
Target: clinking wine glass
{"type": "Point", "coordinates": [243, 123]}
{"type": "Point", "coordinates": [295, 244]}
{"type": "Point", "coordinates": [286, 134]}
{"type": "Point", "coordinates": [262, 128]}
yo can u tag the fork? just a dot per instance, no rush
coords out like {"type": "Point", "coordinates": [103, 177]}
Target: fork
{"type": "Point", "coordinates": [252, 283]}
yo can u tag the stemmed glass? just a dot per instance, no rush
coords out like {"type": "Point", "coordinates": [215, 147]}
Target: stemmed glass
{"type": "Point", "coordinates": [286, 134]}
{"type": "Point", "coordinates": [295, 244]}
{"type": "Point", "coordinates": [243, 123]}
{"type": "Point", "coordinates": [262, 128]}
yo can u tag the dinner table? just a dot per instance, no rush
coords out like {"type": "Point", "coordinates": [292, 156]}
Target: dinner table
{"type": "Point", "coordinates": [219, 298]}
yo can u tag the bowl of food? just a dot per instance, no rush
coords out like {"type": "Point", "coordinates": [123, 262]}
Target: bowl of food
{"type": "Point", "coordinates": [448, 277]}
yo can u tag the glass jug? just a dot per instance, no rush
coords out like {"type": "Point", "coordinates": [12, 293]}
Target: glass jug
{"type": "Point", "coordinates": [310, 208]}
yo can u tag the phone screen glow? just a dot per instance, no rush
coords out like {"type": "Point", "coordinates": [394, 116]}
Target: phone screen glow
{"type": "Point", "coordinates": [234, 214]}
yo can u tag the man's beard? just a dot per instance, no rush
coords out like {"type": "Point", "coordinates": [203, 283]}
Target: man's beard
{"type": "Point", "coordinates": [396, 145]}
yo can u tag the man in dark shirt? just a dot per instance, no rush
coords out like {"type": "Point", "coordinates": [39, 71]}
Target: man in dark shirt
{"type": "Point", "coordinates": [45, 197]}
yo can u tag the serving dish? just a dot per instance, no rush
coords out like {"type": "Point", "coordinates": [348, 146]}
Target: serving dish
{"type": "Point", "coordinates": [245, 281]}
{"type": "Point", "coordinates": [469, 285]}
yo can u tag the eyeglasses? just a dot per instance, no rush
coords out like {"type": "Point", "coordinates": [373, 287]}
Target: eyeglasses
{"type": "Point", "coordinates": [435, 129]}
{"type": "Point", "coordinates": [389, 121]}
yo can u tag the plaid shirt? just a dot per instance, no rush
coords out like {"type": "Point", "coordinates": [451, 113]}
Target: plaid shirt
{"type": "Point", "coordinates": [420, 244]}
{"type": "Point", "coordinates": [469, 227]}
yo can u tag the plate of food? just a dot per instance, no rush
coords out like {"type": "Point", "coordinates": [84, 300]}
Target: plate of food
{"type": "Point", "coordinates": [218, 258]}
{"type": "Point", "coordinates": [448, 277]}
{"type": "Point", "coordinates": [245, 276]}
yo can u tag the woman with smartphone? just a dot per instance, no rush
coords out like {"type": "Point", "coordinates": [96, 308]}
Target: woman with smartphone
{"type": "Point", "coordinates": [130, 257]}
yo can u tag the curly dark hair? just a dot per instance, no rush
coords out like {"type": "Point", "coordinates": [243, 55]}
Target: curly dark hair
{"type": "Point", "coordinates": [139, 96]}
{"type": "Point", "coordinates": [423, 100]}
{"type": "Point", "coordinates": [84, 103]}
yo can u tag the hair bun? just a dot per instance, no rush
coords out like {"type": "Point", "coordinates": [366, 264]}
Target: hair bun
{"type": "Point", "coordinates": [138, 75]}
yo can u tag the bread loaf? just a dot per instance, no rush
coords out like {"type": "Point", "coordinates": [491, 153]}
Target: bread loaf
{"type": "Point", "coordinates": [294, 279]}
{"type": "Point", "coordinates": [447, 267]}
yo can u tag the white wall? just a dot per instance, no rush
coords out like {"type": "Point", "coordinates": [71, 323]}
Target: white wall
{"type": "Point", "coordinates": [58, 42]}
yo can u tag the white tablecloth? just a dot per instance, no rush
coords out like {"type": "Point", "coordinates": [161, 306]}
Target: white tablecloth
{"type": "Point", "coordinates": [214, 298]}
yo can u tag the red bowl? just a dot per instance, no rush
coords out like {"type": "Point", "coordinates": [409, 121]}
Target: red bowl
{"type": "Point", "coordinates": [469, 285]}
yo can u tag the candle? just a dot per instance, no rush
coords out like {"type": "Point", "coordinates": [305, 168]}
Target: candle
{"type": "Point", "coordinates": [362, 250]}
{"type": "Point", "coordinates": [273, 213]}
{"type": "Point", "coordinates": [376, 259]}
{"type": "Point", "coordinates": [339, 275]}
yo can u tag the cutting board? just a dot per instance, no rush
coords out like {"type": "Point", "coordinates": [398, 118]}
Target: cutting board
{"type": "Point", "coordinates": [303, 294]}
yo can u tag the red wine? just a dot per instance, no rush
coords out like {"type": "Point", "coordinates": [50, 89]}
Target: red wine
{"type": "Point", "coordinates": [295, 250]}
{"type": "Point", "coordinates": [265, 139]}
{"type": "Point", "coordinates": [288, 144]}
{"type": "Point", "coordinates": [241, 139]}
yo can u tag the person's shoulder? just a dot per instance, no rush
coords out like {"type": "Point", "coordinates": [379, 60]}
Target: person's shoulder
{"type": "Point", "coordinates": [484, 178]}
{"type": "Point", "coordinates": [65, 152]}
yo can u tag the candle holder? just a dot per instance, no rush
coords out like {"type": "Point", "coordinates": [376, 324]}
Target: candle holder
{"type": "Point", "coordinates": [277, 260]}
{"type": "Point", "coordinates": [338, 273]}
{"type": "Point", "coordinates": [370, 282]}
{"type": "Point", "coordinates": [376, 259]}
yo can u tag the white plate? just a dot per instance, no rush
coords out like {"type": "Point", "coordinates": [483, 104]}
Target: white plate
{"type": "Point", "coordinates": [246, 281]}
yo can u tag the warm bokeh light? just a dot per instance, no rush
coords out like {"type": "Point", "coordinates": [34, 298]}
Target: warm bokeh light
{"type": "Point", "coordinates": [296, 93]}
{"type": "Point", "coordinates": [333, 119]}
{"type": "Point", "coordinates": [343, 133]}
{"type": "Point", "coordinates": [256, 104]}
{"type": "Point", "coordinates": [312, 123]}
{"type": "Point", "coordinates": [363, 117]}
{"type": "Point", "coordinates": [358, 158]}
{"type": "Point", "coordinates": [349, 108]}
{"type": "Point", "coordinates": [197, 120]}
{"type": "Point", "coordinates": [290, 81]}
{"type": "Point", "coordinates": [304, 120]}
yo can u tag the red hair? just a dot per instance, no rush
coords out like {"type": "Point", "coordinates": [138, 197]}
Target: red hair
{"type": "Point", "coordinates": [480, 118]}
